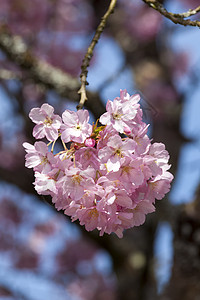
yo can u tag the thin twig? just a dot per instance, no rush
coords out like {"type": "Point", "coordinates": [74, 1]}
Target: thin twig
{"type": "Point", "coordinates": [176, 18]}
{"type": "Point", "coordinates": [187, 14]}
{"type": "Point", "coordinates": [89, 54]}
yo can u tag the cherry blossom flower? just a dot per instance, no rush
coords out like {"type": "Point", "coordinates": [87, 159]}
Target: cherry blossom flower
{"type": "Point", "coordinates": [38, 156]}
{"type": "Point", "coordinates": [107, 177]}
{"type": "Point", "coordinates": [130, 174]}
{"type": "Point", "coordinates": [139, 135]}
{"type": "Point", "coordinates": [44, 184]}
{"type": "Point", "coordinates": [77, 181]}
{"type": "Point", "coordinates": [158, 151]}
{"type": "Point", "coordinates": [91, 217]}
{"type": "Point", "coordinates": [114, 153]}
{"type": "Point", "coordinates": [140, 211]}
{"type": "Point", "coordinates": [76, 127]}
{"type": "Point", "coordinates": [47, 123]}
{"type": "Point", "coordinates": [87, 157]}
{"type": "Point", "coordinates": [118, 114]}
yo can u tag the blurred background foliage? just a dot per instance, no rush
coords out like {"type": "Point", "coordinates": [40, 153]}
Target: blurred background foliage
{"type": "Point", "coordinates": [42, 254]}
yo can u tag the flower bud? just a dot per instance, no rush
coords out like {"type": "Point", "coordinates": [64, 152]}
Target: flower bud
{"type": "Point", "coordinates": [127, 130]}
{"type": "Point", "coordinates": [90, 142]}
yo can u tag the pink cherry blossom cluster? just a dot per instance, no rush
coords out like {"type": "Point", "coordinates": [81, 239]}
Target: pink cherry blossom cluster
{"type": "Point", "coordinates": [107, 176]}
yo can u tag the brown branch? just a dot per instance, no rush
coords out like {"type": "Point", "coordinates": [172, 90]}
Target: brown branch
{"type": "Point", "coordinates": [175, 18]}
{"type": "Point", "coordinates": [89, 54]}
{"type": "Point", "coordinates": [43, 73]}
{"type": "Point", "coordinates": [18, 52]}
{"type": "Point", "coordinates": [187, 14]}
{"type": "Point", "coordinates": [7, 74]}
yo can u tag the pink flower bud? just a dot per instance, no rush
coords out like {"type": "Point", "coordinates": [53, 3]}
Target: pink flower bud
{"type": "Point", "coordinates": [127, 130]}
{"type": "Point", "coordinates": [90, 142]}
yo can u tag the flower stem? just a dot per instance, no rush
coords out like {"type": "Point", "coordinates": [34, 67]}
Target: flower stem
{"type": "Point", "coordinates": [89, 54]}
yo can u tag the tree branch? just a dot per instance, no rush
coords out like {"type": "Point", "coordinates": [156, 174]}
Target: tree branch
{"type": "Point", "coordinates": [43, 73]}
{"type": "Point", "coordinates": [7, 74]}
{"type": "Point", "coordinates": [89, 54]}
{"type": "Point", "coordinates": [187, 14]}
{"type": "Point", "coordinates": [15, 48]}
{"type": "Point", "coordinates": [175, 18]}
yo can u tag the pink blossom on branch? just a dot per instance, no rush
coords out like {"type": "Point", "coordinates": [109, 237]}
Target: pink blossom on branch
{"type": "Point", "coordinates": [115, 152]}
{"type": "Point", "coordinates": [47, 124]}
{"type": "Point", "coordinates": [121, 112]}
{"type": "Point", "coordinates": [38, 156]}
{"type": "Point", "coordinates": [107, 177]}
{"type": "Point", "coordinates": [76, 127]}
